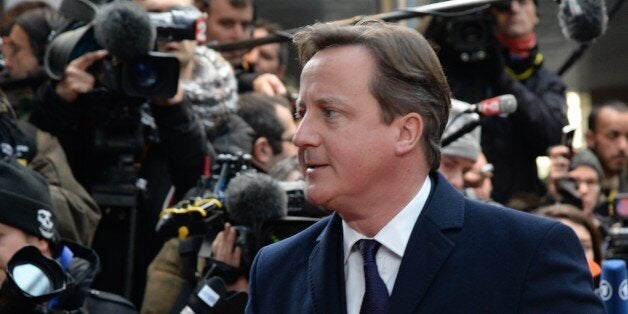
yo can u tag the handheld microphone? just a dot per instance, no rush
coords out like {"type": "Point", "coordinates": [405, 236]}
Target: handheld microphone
{"type": "Point", "coordinates": [124, 29]}
{"type": "Point", "coordinates": [206, 295]}
{"type": "Point", "coordinates": [498, 105]}
{"type": "Point", "coordinates": [613, 288]}
{"type": "Point", "coordinates": [582, 20]}
{"type": "Point", "coordinates": [253, 198]}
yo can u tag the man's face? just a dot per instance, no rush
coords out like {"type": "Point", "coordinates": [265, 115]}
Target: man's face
{"type": "Point", "coordinates": [610, 140]}
{"type": "Point", "coordinates": [265, 58]}
{"type": "Point", "coordinates": [11, 240]}
{"type": "Point", "coordinates": [588, 185]}
{"type": "Point", "coordinates": [288, 148]}
{"type": "Point", "coordinates": [226, 23]}
{"type": "Point", "coordinates": [183, 50]}
{"type": "Point", "coordinates": [519, 21]}
{"type": "Point", "coordinates": [479, 178]}
{"type": "Point", "coordinates": [453, 169]}
{"type": "Point", "coordinates": [18, 53]}
{"type": "Point", "coordinates": [346, 151]}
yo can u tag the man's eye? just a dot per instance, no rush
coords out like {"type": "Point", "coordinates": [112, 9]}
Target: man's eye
{"type": "Point", "coordinates": [227, 24]}
{"type": "Point", "coordinates": [330, 113]}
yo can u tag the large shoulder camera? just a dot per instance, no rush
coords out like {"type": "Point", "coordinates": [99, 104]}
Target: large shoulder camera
{"type": "Point", "coordinates": [466, 38]}
{"type": "Point", "coordinates": [146, 75]}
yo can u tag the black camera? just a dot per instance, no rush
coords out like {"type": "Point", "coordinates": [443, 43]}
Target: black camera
{"type": "Point", "coordinates": [186, 23]}
{"type": "Point", "coordinates": [31, 280]}
{"type": "Point", "coordinates": [465, 38]}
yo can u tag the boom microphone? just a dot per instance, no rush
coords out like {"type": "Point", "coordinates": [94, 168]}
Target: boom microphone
{"type": "Point", "coordinates": [498, 105]}
{"type": "Point", "coordinates": [253, 198]}
{"type": "Point", "coordinates": [582, 20]}
{"type": "Point", "coordinates": [124, 29]}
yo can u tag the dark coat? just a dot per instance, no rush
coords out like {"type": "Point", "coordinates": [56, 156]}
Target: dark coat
{"type": "Point", "coordinates": [462, 257]}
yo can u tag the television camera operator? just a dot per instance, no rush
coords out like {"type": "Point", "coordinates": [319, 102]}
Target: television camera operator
{"type": "Point", "coordinates": [223, 247]}
{"type": "Point", "coordinates": [115, 133]}
{"type": "Point", "coordinates": [493, 53]}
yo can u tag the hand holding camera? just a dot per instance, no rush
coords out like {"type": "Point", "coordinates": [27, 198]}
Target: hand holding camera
{"type": "Point", "coordinates": [224, 247]}
{"type": "Point", "coordinates": [77, 80]}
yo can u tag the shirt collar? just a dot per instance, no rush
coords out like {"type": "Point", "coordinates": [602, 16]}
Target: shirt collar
{"type": "Point", "coordinates": [396, 233]}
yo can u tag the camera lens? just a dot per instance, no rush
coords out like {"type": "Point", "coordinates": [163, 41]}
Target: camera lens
{"type": "Point", "coordinates": [144, 74]}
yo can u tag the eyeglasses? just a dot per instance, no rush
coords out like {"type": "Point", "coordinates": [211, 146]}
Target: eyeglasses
{"type": "Point", "coordinates": [590, 183]}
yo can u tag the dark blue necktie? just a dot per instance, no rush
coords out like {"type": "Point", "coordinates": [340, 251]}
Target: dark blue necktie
{"type": "Point", "coordinates": [375, 293]}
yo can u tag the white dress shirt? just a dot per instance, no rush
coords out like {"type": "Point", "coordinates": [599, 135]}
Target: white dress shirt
{"type": "Point", "coordinates": [393, 238]}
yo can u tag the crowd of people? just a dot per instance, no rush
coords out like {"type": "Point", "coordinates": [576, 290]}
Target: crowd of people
{"type": "Point", "coordinates": [400, 222]}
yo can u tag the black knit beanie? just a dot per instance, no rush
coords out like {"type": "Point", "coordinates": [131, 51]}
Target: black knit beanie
{"type": "Point", "coordinates": [25, 201]}
{"type": "Point", "coordinates": [586, 157]}
{"type": "Point", "coordinates": [39, 24]}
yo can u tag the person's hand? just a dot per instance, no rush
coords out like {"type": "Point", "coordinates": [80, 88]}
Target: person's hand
{"type": "Point", "coordinates": [269, 84]}
{"type": "Point", "coordinates": [175, 100]}
{"type": "Point", "coordinates": [224, 248]}
{"type": "Point", "coordinates": [558, 170]}
{"type": "Point", "coordinates": [559, 162]}
{"type": "Point", "coordinates": [77, 80]}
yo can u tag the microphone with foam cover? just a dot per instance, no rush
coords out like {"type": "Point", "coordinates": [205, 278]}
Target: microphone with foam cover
{"type": "Point", "coordinates": [124, 29]}
{"type": "Point", "coordinates": [253, 198]}
{"type": "Point", "coordinates": [582, 20]}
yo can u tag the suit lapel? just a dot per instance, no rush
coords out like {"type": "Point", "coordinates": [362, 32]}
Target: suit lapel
{"type": "Point", "coordinates": [326, 270]}
{"type": "Point", "coordinates": [428, 247]}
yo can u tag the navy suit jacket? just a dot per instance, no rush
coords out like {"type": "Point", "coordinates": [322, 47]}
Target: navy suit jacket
{"type": "Point", "coordinates": [462, 257]}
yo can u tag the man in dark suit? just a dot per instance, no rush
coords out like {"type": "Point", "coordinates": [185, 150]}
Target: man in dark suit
{"type": "Point", "coordinates": [373, 105]}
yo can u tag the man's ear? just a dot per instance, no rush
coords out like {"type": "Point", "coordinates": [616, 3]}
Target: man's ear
{"type": "Point", "coordinates": [410, 132]}
{"type": "Point", "coordinates": [262, 151]}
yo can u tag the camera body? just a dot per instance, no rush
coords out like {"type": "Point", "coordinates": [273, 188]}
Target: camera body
{"type": "Point", "coordinates": [178, 24]}
{"type": "Point", "coordinates": [466, 38]}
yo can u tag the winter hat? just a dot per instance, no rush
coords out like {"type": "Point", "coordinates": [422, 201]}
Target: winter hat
{"type": "Point", "coordinates": [25, 201]}
{"type": "Point", "coordinates": [468, 145]}
{"type": "Point", "coordinates": [39, 24]}
{"type": "Point", "coordinates": [586, 157]}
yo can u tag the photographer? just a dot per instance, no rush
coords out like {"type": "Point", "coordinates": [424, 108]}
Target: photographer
{"type": "Point", "coordinates": [232, 20]}
{"type": "Point", "coordinates": [513, 65]}
{"type": "Point", "coordinates": [27, 217]}
{"type": "Point", "coordinates": [576, 181]}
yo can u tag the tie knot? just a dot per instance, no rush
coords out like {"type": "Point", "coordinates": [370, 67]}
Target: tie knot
{"type": "Point", "coordinates": [368, 249]}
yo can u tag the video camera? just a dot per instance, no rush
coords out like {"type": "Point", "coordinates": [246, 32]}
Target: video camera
{"type": "Point", "coordinates": [132, 69]}
{"type": "Point", "coordinates": [467, 48]}
{"type": "Point", "coordinates": [254, 203]}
